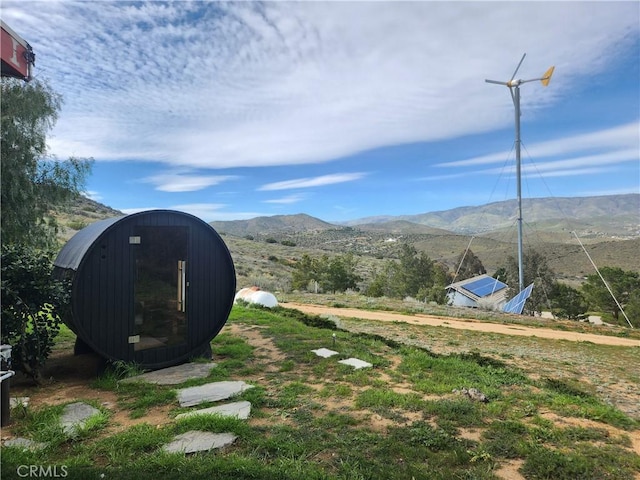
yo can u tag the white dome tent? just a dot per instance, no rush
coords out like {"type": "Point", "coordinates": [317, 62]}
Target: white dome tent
{"type": "Point", "coordinates": [256, 296]}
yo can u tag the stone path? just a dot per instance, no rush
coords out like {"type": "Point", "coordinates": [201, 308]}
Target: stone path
{"type": "Point", "coordinates": [76, 415]}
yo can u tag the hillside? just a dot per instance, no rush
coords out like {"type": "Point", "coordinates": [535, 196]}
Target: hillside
{"type": "Point", "coordinates": [277, 223]}
{"type": "Point", "coordinates": [265, 249]}
{"type": "Point", "coordinates": [614, 215]}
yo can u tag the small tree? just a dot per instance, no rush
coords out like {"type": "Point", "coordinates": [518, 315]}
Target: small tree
{"type": "Point", "coordinates": [339, 273]}
{"type": "Point", "coordinates": [567, 302]}
{"type": "Point", "coordinates": [623, 284]}
{"type": "Point", "coordinates": [414, 275]}
{"type": "Point", "coordinates": [536, 271]}
{"type": "Point", "coordinates": [32, 305]}
{"type": "Point", "coordinates": [470, 266]}
{"type": "Point", "coordinates": [305, 271]}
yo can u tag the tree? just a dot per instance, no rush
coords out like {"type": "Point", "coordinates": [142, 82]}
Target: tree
{"type": "Point", "coordinates": [414, 275]}
{"type": "Point", "coordinates": [567, 302]}
{"type": "Point", "coordinates": [338, 273]}
{"type": "Point", "coordinates": [305, 271]}
{"type": "Point", "coordinates": [624, 285]}
{"type": "Point", "coordinates": [470, 266]}
{"type": "Point", "coordinates": [32, 305]}
{"type": "Point", "coordinates": [536, 271]}
{"type": "Point", "coordinates": [32, 186]}
{"type": "Point", "coordinates": [335, 274]}
{"type": "Point", "coordinates": [33, 183]}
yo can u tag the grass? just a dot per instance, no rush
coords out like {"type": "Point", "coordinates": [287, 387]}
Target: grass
{"type": "Point", "coordinates": [313, 418]}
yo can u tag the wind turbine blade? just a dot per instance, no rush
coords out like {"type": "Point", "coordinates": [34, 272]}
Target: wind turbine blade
{"type": "Point", "coordinates": [496, 82]}
{"type": "Point", "coordinates": [518, 67]}
{"type": "Point", "coordinates": [546, 78]}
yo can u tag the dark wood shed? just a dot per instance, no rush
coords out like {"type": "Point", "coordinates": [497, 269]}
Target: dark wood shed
{"type": "Point", "coordinates": [153, 287]}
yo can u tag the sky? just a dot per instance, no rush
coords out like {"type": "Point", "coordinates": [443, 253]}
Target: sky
{"type": "Point", "coordinates": [340, 110]}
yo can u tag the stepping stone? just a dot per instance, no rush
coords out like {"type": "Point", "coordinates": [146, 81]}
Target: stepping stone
{"type": "Point", "coordinates": [195, 441]}
{"type": "Point", "coordinates": [355, 363]}
{"type": "Point", "coordinates": [211, 392]}
{"type": "Point", "coordinates": [174, 375]}
{"type": "Point", "coordinates": [75, 416]}
{"type": "Point", "coordinates": [24, 443]}
{"type": "Point", "coordinates": [240, 410]}
{"type": "Point", "coordinates": [324, 352]}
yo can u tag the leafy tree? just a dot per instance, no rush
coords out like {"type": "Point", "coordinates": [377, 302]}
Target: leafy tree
{"type": "Point", "coordinates": [624, 285]}
{"type": "Point", "coordinates": [305, 271]}
{"type": "Point", "coordinates": [338, 273]}
{"type": "Point", "coordinates": [335, 274]}
{"type": "Point", "coordinates": [632, 308]}
{"type": "Point", "coordinates": [413, 275]}
{"type": "Point", "coordinates": [536, 271]}
{"type": "Point", "coordinates": [32, 305]}
{"type": "Point", "coordinates": [470, 266]}
{"type": "Point", "coordinates": [567, 302]}
{"type": "Point", "coordinates": [33, 183]}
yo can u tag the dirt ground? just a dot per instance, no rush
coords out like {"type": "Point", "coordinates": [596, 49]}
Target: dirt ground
{"type": "Point", "coordinates": [464, 324]}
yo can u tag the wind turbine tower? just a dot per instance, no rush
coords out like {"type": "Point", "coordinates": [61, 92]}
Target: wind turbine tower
{"type": "Point", "coordinates": [514, 88]}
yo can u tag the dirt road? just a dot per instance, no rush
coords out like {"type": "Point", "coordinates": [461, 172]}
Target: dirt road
{"type": "Point", "coordinates": [463, 324]}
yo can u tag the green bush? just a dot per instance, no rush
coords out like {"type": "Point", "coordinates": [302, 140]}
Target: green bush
{"type": "Point", "coordinates": [32, 306]}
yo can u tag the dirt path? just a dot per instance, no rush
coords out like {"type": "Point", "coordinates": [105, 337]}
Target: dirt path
{"type": "Point", "coordinates": [463, 324]}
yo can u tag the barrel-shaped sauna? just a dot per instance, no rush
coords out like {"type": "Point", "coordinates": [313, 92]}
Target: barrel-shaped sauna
{"type": "Point", "coordinates": [153, 287]}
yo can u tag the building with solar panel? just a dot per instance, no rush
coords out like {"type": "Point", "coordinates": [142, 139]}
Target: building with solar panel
{"type": "Point", "coordinates": [482, 291]}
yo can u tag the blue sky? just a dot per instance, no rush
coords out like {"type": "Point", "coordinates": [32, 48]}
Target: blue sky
{"type": "Point", "coordinates": [340, 110]}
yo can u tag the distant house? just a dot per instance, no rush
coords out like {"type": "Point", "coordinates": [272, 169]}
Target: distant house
{"type": "Point", "coordinates": [482, 291]}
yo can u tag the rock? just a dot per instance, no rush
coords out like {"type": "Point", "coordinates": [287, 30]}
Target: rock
{"type": "Point", "coordinates": [174, 375]}
{"type": "Point", "coordinates": [211, 392]}
{"type": "Point", "coordinates": [240, 410]}
{"type": "Point", "coordinates": [24, 443]}
{"type": "Point", "coordinates": [356, 363]}
{"type": "Point", "coordinates": [196, 441]}
{"type": "Point", "coordinates": [75, 416]}
{"type": "Point", "coordinates": [473, 393]}
{"type": "Point", "coordinates": [324, 352]}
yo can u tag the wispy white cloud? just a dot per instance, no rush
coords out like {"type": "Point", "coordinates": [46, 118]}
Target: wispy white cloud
{"type": "Point", "coordinates": [183, 182]}
{"type": "Point", "coordinates": [320, 181]}
{"type": "Point", "coordinates": [623, 143]}
{"type": "Point", "coordinates": [216, 85]}
{"type": "Point", "coordinates": [287, 200]}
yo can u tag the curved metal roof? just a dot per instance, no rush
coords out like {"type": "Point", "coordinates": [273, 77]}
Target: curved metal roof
{"type": "Point", "coordinates": [74, 250]}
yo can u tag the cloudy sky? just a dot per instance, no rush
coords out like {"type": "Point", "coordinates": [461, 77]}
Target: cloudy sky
{"type": "Point", "coordinates": [340, 110]}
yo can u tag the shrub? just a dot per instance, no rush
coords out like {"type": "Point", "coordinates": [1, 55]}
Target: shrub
{"type": "Point", "coordinates": [32, 304]}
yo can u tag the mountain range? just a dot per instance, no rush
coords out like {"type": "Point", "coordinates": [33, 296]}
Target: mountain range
{"type": "Point", "coordinates": [612, 216]}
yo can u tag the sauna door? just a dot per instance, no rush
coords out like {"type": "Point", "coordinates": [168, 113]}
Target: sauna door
{"type": "Point", "coordinates": [160, 286]}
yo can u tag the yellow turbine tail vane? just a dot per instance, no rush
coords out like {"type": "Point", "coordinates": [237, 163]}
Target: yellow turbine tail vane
{"type": "Point", "coordinates": [547, 76]}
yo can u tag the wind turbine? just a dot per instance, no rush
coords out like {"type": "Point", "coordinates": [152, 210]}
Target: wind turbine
{"type": "Point", "coordinates": [514, 88]}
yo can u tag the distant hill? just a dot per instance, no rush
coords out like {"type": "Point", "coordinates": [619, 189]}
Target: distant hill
{"type": "Point", "coordinates": [80, 213]}
{"type": "Point", "coordinates": [613, 215]}
{"type": "Point", "coordinates": [275, 224]}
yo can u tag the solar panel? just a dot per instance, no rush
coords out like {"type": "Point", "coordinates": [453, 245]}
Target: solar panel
{"type": "Point", "coordinates": [484, 286]}
{"type": "Point", "coordinates": [516, 304]}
